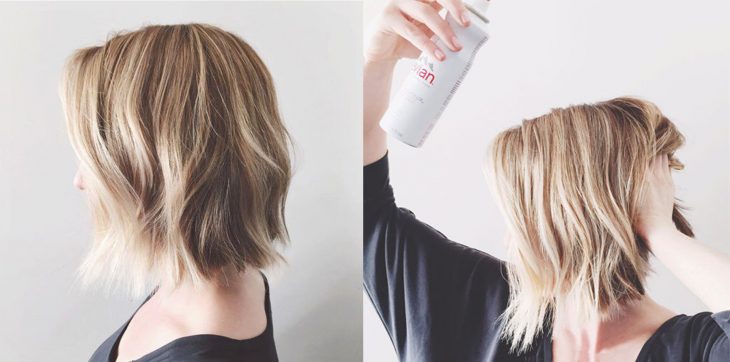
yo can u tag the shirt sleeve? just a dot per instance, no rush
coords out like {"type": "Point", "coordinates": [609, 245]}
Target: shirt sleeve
{"type": "Point", "coordinates": [720, 346]}
{"type": "Point", "coordinates": [702, 337]}
{"type": "Point", "coordinates": [439, 300]}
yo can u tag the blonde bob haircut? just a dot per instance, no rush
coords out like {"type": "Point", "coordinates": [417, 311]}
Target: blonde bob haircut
{"type": "Point", "coordinates": [183, 152]}
{"type": "Point", "coordinates": [568, 183]}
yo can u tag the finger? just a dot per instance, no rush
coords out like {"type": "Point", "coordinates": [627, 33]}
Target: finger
{"type": "Point", "coordinates": [651, 170]}
{"type": "Point", "coordinates": [668, 173]}
{"type": "Point", "coordinates": [457, 9]}
{"type": "Point", "coordinates": [418, 38]}
{"type": "Point", "coordinates": [658, 166]}
{"type": "Point", "coordinates": [434, 4]}
{"type": "Point", "coordinates": [655, 173]}
{"type": "Point", "coordinates": [661, 176]}
{"type": "Point", "coordinates": [427, 15]}
{"type": "Point", "coordinates": [670, 183]}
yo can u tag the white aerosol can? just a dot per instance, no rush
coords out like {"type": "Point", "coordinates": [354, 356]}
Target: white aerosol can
{"type": "Point", "coordinates": [429, 86]}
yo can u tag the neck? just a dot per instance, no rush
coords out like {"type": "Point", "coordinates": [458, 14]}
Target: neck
{"type": "Point", "coordinates": [633, 322]}
{"type": "Point", "coordinates": [230, 304]}
{"type": "Point", "coordinates": [226, 284]}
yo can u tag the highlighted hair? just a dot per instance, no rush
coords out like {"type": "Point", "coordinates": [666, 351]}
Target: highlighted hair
{"type": "Point", "coordinates": [183, 152]}
{"type": "Point", "coordinates": [568, 184]}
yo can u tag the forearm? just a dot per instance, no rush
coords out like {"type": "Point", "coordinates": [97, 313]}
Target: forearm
{"type": "Point", "coordinates": [377, 79]}
{"type": "Point", "coordinates": [703, 270]}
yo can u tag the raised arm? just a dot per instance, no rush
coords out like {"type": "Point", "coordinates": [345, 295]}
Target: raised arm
{"type": "Point", "coordinates": [703, 270]}
{"type": "Point", "coordinates": [426, 289]}
{"type": "Point", "coordinates": [403, 30]}
{"type": "Point", "coordinates": [377, 78]}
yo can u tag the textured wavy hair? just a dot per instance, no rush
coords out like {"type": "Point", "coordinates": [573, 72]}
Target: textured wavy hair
{"type": "Point", "coordinates": [568, 183]}
{"type": "Point", "coordinates": [184, 153]}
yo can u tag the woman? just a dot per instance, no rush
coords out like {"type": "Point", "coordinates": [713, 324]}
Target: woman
{"type": "Point", "coordinates": [185, 162]}
{"type": "Point", "coordinates": [587, 194]}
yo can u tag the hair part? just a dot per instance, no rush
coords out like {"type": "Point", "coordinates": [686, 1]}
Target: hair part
{"type": "Point", "coordinates": [569, 183]}
{"type": "Point", "coordinates": [183, 152]}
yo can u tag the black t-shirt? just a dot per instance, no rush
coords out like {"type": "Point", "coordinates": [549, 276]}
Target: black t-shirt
{"type": "Point", "coordinates": [440, 300]}
{"type": "Point", "coordinates": [202, 347]}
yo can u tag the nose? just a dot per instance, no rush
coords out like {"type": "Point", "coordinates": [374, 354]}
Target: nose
{"type": "Point", "coordinates": [79, 181]}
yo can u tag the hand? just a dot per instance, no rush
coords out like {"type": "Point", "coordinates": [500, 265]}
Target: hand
{"type": "Point", "coordinates": [700, 268]}
{"type": "Point", "coordinates": [405, 27]}
{"type": "Point", "coordinates": [657, 204]}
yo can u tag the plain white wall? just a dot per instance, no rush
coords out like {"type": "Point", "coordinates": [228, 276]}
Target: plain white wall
{"type": "Point", "coordinates": [545, 54]}
{"type": "Point", "coordinates": [313, 51]}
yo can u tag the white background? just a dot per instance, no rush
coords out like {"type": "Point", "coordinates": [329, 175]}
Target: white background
{"type": "Point", "coordinates": [545, 54]}
{"type": "Point", "coordinates": [313, 51]}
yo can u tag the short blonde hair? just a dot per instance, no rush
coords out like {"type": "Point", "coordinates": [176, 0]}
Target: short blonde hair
{"type": "Point", "coordinates": [569, 183]}
{"type": "Point", "coordinates": [184, 153]}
